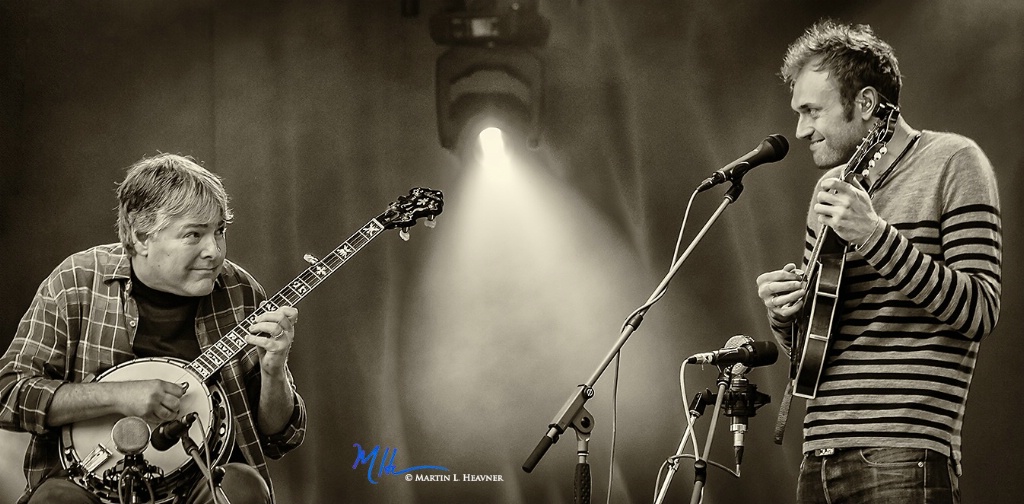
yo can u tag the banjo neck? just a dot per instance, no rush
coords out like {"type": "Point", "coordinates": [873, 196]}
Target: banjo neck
{"type": "Point", "coordinates": [402, 213]}
{"type": "Point", "coordinates": [227, 347]}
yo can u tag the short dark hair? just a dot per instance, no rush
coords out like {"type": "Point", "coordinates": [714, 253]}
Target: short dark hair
{"type": "Point", "coordinates": [852, 55]}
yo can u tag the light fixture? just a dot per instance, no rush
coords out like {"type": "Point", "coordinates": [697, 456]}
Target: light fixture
{"type": "Point", "coordinates": [489, 70]}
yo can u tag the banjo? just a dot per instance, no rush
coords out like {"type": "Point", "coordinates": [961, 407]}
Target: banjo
{"type": "Point", "coordinates": [87, 448]}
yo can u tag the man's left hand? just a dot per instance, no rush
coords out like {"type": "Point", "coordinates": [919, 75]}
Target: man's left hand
{"type": "Point", "coordinates": [847, 209]}
{"type": "Point", "coordinates": [273, 333]}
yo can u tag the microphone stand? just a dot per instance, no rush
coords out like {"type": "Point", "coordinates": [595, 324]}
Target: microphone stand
{"type": "Point", "coordinates": [741, 400]}
{"type": "Point", "coordinates": [699, 405]}
{"type": "Point", "coordinates": [583, 424]}
{"type": "Point", "coordinates": [700, 464]}
{"type": "Point", "coordinates": [574, 407]}
{"type": "Point", "coordinates": [132, 476]}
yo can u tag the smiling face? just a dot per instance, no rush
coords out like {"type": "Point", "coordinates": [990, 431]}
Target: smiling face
{"type": "Point", "coordinates": [834, 135]}
{"type": "Point", "coordinates": [184, 257]}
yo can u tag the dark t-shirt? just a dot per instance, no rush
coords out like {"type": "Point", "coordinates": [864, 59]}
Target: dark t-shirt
{"type": "Point", "coordinates": [167, 323]}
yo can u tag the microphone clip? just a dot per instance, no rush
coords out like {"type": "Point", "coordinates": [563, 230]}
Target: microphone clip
{"type": "Point", "coordinates": [742, 398]}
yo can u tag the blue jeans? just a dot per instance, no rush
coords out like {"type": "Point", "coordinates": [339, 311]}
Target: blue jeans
{"type": "Point", "coordinates": [878, 475]}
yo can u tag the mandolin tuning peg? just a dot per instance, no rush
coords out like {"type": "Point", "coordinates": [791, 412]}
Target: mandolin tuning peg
{"type": "Point", "coordinates": [310, 258]}
{"type": "Point", "coordinates": [430, 223]}
{"type": "Point", "coordinates": [404, 234]}
{"type": "Point", "coordinates": [882, 151]}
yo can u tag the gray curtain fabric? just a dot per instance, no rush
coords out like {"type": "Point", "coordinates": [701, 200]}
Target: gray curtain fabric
{"type": "Point", "coordinates": [458, 347]}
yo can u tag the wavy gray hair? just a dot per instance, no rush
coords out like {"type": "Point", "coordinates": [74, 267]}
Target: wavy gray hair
{"type": "Point", "coordinates": [162, 187]}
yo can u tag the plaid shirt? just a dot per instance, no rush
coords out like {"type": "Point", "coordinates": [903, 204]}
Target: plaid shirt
{"type": "Point", "coordinates": [82, 322]}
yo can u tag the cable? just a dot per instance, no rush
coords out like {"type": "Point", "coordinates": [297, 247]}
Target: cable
{"type": "Point", "coordinates": [679, 239]}
{"type": "Point", "coordinates": [615, 409]}
{"type": "Point", "coordinates": [689, 433]}
{"type": "Point", "coordinates": [689, 427]}
{"type": "Point", "coordinates": [209, 463]}
{"type": "Point", "coordinates": [712, 462]}
{"type": "Point", "coordinates": [686, 406]}
{"type": "Point", "coordinates": [643, 309]}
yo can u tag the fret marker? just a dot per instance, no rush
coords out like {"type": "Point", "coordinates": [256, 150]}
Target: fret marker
{"type": "Point", "coordinates": [299, 287]}
{"type": "Point", "coordinates": [372, 228]}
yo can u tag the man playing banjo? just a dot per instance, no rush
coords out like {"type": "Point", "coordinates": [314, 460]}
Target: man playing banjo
{"type": "Point", "coordinates": [164, 293]}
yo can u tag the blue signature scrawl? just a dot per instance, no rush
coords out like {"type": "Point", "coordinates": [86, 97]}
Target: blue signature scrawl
{"type": "Point", "coordinates": [387, 463]}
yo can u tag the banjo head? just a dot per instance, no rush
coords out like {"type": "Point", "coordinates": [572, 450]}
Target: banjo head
{"type": "Point", "coordinates": [88, 449]}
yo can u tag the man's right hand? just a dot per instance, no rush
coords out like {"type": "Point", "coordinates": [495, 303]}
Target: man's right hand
{"type": "Point", "coordinates": [782, 292]}
{"type": "Point", "coordinates": [155, 401]}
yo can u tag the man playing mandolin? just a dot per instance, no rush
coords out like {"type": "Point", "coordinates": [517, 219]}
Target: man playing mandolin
{"type": "Point", "coordinates": [166, 291]}
{"type": "Point", "coordinates": [915, 215]}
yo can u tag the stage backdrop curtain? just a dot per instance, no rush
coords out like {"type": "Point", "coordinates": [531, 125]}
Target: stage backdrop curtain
{"type": "Point", "coordinates": [458, 347]}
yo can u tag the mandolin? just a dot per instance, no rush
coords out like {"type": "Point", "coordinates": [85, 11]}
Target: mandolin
{"type": "Point", "coordinates": [824, 269]}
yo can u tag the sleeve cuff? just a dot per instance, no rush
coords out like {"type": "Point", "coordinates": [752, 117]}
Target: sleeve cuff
{"type": "Point", "coordinates": [876, 235]}
{"type": "Point", "coordinates": [295, 427]}
{"type": "Point", "coordinates": [37, 396]}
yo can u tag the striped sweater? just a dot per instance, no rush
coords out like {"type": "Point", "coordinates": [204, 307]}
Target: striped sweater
{"type": "Point", "coordinates": [917, 298]}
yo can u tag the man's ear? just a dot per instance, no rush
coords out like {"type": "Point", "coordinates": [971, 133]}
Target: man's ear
{"type": "Point", "coordinates": [865, 102]}
{"type": "Point", "coordinates": [140, 243]}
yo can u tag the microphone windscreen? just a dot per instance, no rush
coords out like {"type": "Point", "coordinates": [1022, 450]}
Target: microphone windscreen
{"type": "Point", "coordinates": [780, 146]}
{"type": "Point", "coordinates": [130, 435]}
{"type": "Point", "coordinates": [761, 353]}
{"type": "Point", "coordinates": [765, 353]}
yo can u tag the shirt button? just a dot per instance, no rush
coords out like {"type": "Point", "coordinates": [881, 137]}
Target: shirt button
{"type": "Point", "coordinates": [131, 323]}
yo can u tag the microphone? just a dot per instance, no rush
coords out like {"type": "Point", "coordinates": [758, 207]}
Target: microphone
{"type": "Point", "coordinates": [747, 352]}
{"type": "Point", "coordinates": [772, 149]}
{"type": "Point", "coordinates": [130, 436]}
{"type": "Point", "coordinates": [738, 425]}
{"type": "Point", "coordinates": [169, 433]}
{"type": "Point", "coordinates": [742, 399]}
{"type": "Point", "coordinates": [131, 475]}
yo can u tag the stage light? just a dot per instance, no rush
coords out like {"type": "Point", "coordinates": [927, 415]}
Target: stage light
{"type": "Point", "coordinates": [491, 142]}
{"type": "Point", "coordinates": [489, 75]}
